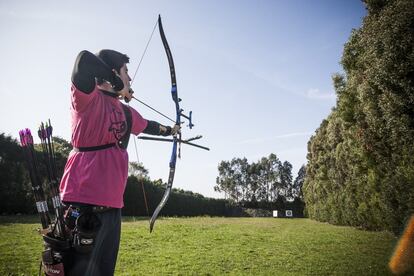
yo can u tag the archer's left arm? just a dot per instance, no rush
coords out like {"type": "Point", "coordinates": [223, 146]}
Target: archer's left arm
{"type": "Point", "coordinates": [155, 128]}
{"type": "Point", "coordinates": [141, 125]}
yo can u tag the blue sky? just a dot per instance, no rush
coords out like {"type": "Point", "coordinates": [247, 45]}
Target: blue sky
{"type": "Point", "coordinates": [256, 74]}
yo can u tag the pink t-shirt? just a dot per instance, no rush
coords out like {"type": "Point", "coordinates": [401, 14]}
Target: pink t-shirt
{"type": "Point", "coordinates": [98, 177]}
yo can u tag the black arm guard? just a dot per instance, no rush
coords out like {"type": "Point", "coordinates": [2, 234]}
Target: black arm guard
{"type": "Point", "coordinates": [154, 128]}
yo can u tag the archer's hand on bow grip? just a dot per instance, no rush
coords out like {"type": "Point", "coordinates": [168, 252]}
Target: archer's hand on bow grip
{"type": "Point", "coordinates": [176, 129]}
{"type": "Point", "coordinates": [167, 130]}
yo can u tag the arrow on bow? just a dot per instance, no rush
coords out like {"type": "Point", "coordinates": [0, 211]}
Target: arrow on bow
{"type": "Point", "coordinates": [176, 140]}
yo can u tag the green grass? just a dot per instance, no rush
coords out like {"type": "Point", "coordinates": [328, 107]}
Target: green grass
{"type": "Point", "coordinates": [215, 246]}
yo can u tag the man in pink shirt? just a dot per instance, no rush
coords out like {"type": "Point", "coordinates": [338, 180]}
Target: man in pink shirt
{"type": "Point", "coordinates": [95, 175]}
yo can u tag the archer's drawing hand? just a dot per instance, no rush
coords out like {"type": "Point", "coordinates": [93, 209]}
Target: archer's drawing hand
{"type": "Point", "coordinates": [126, 95]}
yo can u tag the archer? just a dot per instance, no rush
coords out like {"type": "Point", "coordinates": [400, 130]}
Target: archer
{"type": "Point", "coordinates": [95, 175]}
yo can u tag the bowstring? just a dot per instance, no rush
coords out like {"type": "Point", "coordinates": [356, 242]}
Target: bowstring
{"type": "Point", "coordinates": [134, 137]}
{"type": "Point", "coordinates": [143, 54]}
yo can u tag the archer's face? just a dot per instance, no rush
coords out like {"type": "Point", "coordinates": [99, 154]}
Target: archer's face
{"type": "Point", "coordinates": [123, 73]}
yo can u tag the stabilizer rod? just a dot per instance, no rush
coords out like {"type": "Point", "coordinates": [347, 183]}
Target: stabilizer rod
{"type": "Point", "coordinates": [172, 140]}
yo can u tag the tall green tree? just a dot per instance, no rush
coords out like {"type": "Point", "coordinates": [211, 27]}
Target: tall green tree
{"type": "Point", "coordinates": [226, 181]}
{"type": "Point", "coordinates": [298, 183]}
{"type": "Point", "coordinates": [256, 184]}
{"type": "Point", "coordinates": [269, 178]}
{"type": "Point", "coordinates": [361, 160]}
{"type": "Point", "coordinates": [286, 178]}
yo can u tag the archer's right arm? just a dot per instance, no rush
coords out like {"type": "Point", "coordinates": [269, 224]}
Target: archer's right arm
{"type": "Point", "coordinates": [88, 68]}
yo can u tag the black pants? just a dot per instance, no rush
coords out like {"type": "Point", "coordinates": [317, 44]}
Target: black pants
{"type": "Point", "coordinates": [102, 259]}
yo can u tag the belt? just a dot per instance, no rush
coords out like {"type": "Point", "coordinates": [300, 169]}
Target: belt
{"type": "Point", "coordinates": [95, 148]}
{"type": "Point", "coordinates": [93, 208]}
{"type": "Point", "coordinates": [101, 209]}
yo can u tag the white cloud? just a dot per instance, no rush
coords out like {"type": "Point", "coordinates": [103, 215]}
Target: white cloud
{"type": "Point", "coordinates": [271, 138]}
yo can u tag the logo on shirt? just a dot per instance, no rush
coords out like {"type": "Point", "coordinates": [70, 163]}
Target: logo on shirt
{"type": "Point", "coordinates": [118, 126]}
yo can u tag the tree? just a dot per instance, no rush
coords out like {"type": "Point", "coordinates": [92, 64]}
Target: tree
{"type": "Point", "coordinates": [271, 177]}
{"type": "Point", "coordinates": [257, 184]}
{"type": "Point", "coordinates": [286, 179]}
{"type": "Point", "coordinates": [254, 172]}
{"type": "Point", "coordinates": [298, 183]}
{"type": "Point", "coordinates": [234, 179]}
{"type": "Point", "coordinates": [360, 169]}
{"type": "Point", "coordinates": [15, 191]}
{"type": "Point", "coordinates": [62, 146]}
{"type": "Point", "coordinates": [226, 181]}
{"type": "Point", "coordinates": [138, 170]}
{"type": "Point", "coordinates": [240, 168]}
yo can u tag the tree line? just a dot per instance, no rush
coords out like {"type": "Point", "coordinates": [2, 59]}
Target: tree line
{"type": "Point", "coordinates": [16, 195]}
{"type": "Point", "coordinates": [360, 169]}
{"type": "Point", "coordinates": [259, 184]}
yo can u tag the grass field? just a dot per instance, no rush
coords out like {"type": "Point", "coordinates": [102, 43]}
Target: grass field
{"type": "Point", "coordinates": [215, 246]}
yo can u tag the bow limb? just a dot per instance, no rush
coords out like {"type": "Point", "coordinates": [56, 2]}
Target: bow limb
{"type": "Point", "coordinates": [176, 138]}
